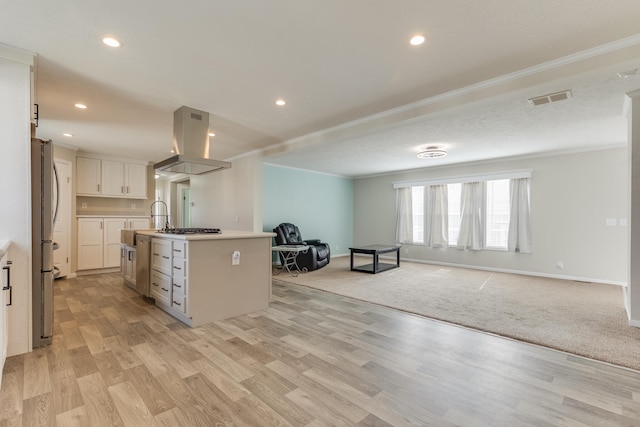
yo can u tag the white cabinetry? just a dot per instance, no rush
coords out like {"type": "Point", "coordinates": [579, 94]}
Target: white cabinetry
{"type": "Point", "coordinates": [89, 178]}
{"type": "Point", "coordinates": [99, 243]}
{"type": "Point", "coordinates": [194, 279]}
{"type": "Point", "coordinates": [179, 276]}
{"type": "Point", "coordinates": [4, 300]}
{"type": "Point", "coordinates": [111, 178]}
{"type": "Point", "coordinates": [161, 264]}
{"type": "Point", "coordinates": [135, 181]}
{"type": "Point", "coordinates": [112, 227]}
{"type": "Point", "coordinates": [90, 243]}
{"type": "Point", "coordinates": [169, 276]}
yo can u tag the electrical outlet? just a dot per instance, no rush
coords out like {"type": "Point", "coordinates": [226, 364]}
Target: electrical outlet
{"type": "Point", "coordinates": [560, 264]}
{"type": "Point", "coordinates": [235, 258]}
{"type": "Point", "coordinates": [84, 205]}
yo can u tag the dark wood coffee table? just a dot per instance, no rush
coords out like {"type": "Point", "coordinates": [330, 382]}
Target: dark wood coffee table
{"type": "Point", "coordinates": [375, 250]}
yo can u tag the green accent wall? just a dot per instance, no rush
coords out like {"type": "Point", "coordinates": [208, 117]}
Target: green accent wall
{"type": "Point", "coordinates": [320, 205]}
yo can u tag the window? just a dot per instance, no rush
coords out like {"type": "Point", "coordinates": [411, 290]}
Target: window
{"type": "Point", "coordinates": [498, 214]}
{"type": "Point", "coordinates": [493, 215]}
{"type": "Point", "coordinates": [454, 212]}
{"type": "Point", "coordinates": [417, 214]}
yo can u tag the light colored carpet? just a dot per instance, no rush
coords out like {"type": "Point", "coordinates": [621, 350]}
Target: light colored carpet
{"type": "Point", "coordinates": [586, 319]}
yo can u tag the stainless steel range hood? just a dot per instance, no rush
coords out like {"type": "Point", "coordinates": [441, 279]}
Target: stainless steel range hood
{"type": "Point", "coordinates": [191, 145]}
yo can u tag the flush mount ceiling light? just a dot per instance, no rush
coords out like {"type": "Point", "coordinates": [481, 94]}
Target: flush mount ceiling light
{"type": "Point", "coordinates": [111, 42]}
{"type": "Point", "coordinates": [281, 102]}
{"type": "Point", "coordinates": [68, 135]}
{"type": "Point", "coordinates": [417, 40]}
{"type": "Point", "coordinates": [80, 106]}
{"type": "Point", "coordinates": [432, 153]}
{"type": "Point", "coordinates": [212, 134]}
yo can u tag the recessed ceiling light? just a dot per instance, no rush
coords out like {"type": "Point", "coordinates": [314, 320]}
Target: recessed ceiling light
{"type": "Point", "coordinates": [67, 134]}
{"type": "Point", "coordinates": [432, 153]}
{"type": "Point", "coordinates": [417, 40]}
{"type": "Point", "coordinates": [212, 134]}
{"type": "Point", "coordinates": [110, 41]}
{"type": "Point", "coordinates": [280, 102]}
{"type": "Point", "coordinates": [80, 106]}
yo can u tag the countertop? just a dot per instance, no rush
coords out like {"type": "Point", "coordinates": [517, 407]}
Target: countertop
{"type": "Point", "coordinates": [4, 246]}
{"type": "Point", "coordinates": [224, 235]}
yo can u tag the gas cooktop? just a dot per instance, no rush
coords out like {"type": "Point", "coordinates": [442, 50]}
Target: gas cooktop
{"type": "Point", "coordinates": [190, 231]}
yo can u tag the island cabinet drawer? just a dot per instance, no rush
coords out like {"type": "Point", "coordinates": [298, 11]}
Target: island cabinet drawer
{"type": "Point", "coordinates": [161, 287]}
{"type": "Point", "coordinates": [179, 266]}
{"type": "Point", "coordinates": [180, 248]}
{"type": "Point", "coordinates": [179, 284]}
{"type": "Point", "coordinates": [161, 255]}
{"type": "Point", "coordinates": [179, 303]}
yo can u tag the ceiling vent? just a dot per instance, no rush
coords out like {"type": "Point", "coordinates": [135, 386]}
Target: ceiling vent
{"type": "Point", "coordinates": [549, 98]}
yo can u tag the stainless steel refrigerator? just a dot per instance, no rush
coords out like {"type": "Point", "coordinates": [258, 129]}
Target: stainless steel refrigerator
{"type": "Point", "coordinates": [43, 205]}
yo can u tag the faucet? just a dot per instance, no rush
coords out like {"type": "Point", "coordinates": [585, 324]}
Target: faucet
{"type": "Point", "coordinates": [165, 215]}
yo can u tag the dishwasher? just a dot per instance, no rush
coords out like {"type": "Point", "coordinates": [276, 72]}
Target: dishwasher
{"type": "Point", "coordinates": [143, 264]}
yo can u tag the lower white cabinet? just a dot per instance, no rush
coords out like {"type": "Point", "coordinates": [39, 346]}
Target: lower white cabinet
{"type": "Point", "coordinates": [99, 240]}
{"type": "Point", "coordinates": [169, 276]}
{"type": "Point", "coordinates": [4, 329]}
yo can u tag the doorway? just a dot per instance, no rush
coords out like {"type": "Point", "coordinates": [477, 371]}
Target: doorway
{"type": "Point", "coordinates": [62, 226]}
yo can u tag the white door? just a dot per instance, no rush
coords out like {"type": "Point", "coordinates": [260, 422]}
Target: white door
{"type": "Point", "coordinates": [62, 227]}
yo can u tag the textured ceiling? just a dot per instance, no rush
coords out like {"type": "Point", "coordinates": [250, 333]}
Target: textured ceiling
{"type": "Point", "coordinates": [361, 100]}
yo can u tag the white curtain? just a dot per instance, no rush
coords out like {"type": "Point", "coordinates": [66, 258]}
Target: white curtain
{"type": "Point", "coordinates": [437, 217]}
{"type": "Point", "coordinates": [471, 216]}
{"type": "Point", "coordinates": [404, 213]}
{"type": "Point", "coordinates": [520, 220]}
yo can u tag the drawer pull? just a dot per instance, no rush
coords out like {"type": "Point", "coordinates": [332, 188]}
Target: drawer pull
{"type": "Point", "coordinates": [154, 283]}
{"type": "Point", "coordinates": [165, 289]}
{"type": "Point", "coordinates": [165, 257]}
{"type": "Point", "coordinates": [177, 268]}
{"type": "Point", "coordinates": [177, 250]}
{"type": "Point", "coordinates": [177, 286]}
{"type": "Point", "coordinates": [177, 303]}
{"type": "Point", "coordinates": [155, 254]}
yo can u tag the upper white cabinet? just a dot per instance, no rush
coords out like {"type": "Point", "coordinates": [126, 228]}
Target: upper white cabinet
{"type": "Point", "coordinates": [135, 180]}
{"type": "Point", "coordinates": [89, 179]}
{"type": "Point", "coordinates": [110, 178]}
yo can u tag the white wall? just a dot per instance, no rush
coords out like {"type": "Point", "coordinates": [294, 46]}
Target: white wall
{"type": "Point", "coordinates": [572, 195]}
{"type": "Point", "coordinates": [15, 173]}
{"type": "Point", "coordinates": [633, 291]}
{"type": "Point", "coordinates": [230, 199]}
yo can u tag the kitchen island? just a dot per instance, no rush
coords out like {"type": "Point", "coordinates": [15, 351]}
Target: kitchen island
{"type": "Point", "coordinates": [200, 278]}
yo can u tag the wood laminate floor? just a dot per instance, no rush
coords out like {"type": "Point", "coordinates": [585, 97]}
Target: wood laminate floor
{"type": "Point", "coordinates": [311, 359]}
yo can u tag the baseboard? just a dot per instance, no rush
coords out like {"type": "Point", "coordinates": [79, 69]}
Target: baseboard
{"type": "Point", "coordinates": [521, 272]}
{"type": "Point", "coordinates": [500, 270]}
{"type": "Point", "coordinates": [98, 271]}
